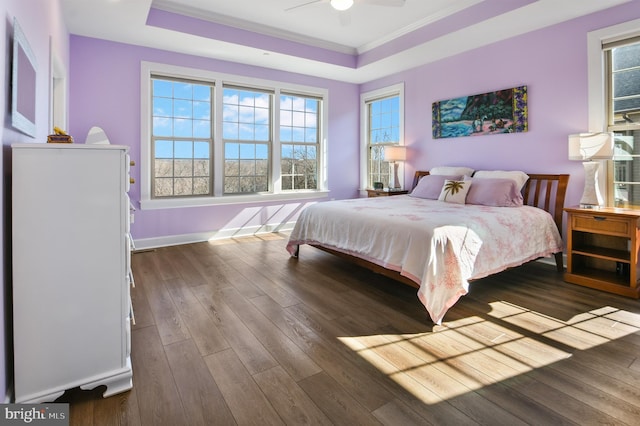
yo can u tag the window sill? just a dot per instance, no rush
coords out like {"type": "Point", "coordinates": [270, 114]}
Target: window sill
{"type": "Point", "coordinates": [172, 203]}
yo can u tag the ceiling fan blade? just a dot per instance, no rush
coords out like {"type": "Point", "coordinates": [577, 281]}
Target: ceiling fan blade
{"type": "Point", "coordinates": [390, 3]}
{"type": "Point", "coordinates": [302, 5]}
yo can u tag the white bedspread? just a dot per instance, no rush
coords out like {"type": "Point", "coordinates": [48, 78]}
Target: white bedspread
{"type": "Point", "coordinates": [440, 246]}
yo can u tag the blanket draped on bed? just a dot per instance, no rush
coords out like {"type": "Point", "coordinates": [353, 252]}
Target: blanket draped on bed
{"type": "Point", "coordinates": [440, 246]}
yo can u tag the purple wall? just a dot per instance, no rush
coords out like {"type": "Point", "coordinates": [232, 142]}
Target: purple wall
{"type": "Point", "coordinates": [106, 93]}
{"type": "Point", "coordinates": [552, 62]}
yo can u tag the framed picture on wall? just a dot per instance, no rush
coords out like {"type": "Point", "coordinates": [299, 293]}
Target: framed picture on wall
{"type": "Point", "coordinates": [502, 111]}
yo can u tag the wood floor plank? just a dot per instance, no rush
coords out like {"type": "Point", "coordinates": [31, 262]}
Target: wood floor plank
{"type": "Point", "coordinates": [118, 410]}
{"type": "Point", "coordinates": [247, 347]}
{"type": "Point", "coordinates": [156, 390]}
{"type": "Point", "coordinates": [594, 394]}
{"type": "Point", "coordinates": [204, 332]}
{"type": "Point", "coordinates": [290, 357]}
{"type": "Point", "coordinates": [397, 413]}
{"type": "Point", "coordinates": [292, 404]}
{"type": "Point", "coordinates": [244, 398]}
{"type": "Point", "coordinates": [202, 400]}
{"type": "Point", "coordinates": [336, 402]}
{"type": "Point", "coordinates": [563, 404]}
{"type": "Point", "coordinates": [166, 316]}
{"type": "Point", "coordinates": [273, 287]}
{"type": "Point", "coordinates": [353, 373]}
{"type": "Point", "coordinates": [142, 311]}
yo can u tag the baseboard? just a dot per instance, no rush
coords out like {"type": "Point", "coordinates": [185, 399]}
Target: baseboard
{"type": "Point", "coordinates": [172, 240]}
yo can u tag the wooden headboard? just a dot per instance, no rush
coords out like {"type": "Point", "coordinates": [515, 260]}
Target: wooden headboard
{"type": "Point", "coordinates": [545, 191]}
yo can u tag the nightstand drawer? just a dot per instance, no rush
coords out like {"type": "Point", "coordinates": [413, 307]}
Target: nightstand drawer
{"type": "Point", "coordinates": [601, 223]}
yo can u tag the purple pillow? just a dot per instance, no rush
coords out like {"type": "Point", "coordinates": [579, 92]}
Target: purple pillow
{"type": "Point", "coordinates": [494, 192]}
{"type": "Point", "coordinates": [430, 186]}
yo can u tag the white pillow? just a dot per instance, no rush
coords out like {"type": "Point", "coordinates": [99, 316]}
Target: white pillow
{"type": "Point", "coordinates": [454, 191]}
{"type": "Point", "coordinates": [519, 177]}
{"type": "Point", "coordinates": [451, 170]}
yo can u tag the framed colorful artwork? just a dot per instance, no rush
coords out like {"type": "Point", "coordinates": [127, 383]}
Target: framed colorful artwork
{"type": "Point", "coordinates": [502, 111]}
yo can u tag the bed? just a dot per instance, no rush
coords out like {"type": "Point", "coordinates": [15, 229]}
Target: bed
{"type": "Point", "coordinates": [439, 247]}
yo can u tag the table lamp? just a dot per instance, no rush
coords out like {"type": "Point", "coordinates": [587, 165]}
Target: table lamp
{"type": "Point", "coordinates": [587, 147]}
{"type": "Point", "coordinates": [393, 154]}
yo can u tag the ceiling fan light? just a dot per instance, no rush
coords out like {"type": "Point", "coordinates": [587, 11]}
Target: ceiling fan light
{"type": "Point", "coordinates": [341, 4]}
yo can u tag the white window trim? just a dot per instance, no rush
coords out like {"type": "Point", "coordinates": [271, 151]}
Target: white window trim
{"type": "Point", "coordinates": [147, 203]}
{"type": "Point", "coordinates": [396, 89]}
{"type": "Point", "coordinates": [597, 77]}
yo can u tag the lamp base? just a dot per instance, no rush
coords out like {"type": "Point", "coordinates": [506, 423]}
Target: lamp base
{"type": "Point", "coordinates": [591, 197]}
{"type": "Point", "coordinates": [395, 182]}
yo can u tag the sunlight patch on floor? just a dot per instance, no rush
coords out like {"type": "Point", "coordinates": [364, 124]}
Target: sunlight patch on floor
{"type": "Point", "coordinates": [472, 352]}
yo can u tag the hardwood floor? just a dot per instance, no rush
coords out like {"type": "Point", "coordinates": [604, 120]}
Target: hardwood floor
{"type": "Point", "coordinates": [237, 332]}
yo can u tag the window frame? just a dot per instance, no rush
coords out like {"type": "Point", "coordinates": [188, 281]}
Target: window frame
{"type": "Point", "coordinates": [365, 99]}
{"type": "Point", "coordinates": [598, 80]}
{"type": "Point", "coordinates": [220, 80]}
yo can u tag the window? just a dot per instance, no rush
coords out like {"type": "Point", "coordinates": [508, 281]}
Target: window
{"type": "Point", "coordinates": [299, 141]}
{"type": "Point", "coordinates": [623, 111]}
{"type": "Point", "coordinates": [247, 140]}
{"type": "Point", "coordinates": [181, 138]}
{"type": "Point", "coordinates": [614, 104]}
{"type": "Point", "coordinates": [210, 138]}
{"type": "Point", "coordinates": [383, 118]}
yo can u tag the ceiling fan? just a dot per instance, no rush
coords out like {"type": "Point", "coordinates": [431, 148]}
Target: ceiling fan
{"type": "Point", "coordinates": [342, 5]}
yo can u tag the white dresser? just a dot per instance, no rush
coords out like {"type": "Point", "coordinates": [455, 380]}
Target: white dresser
{"type": "Point", "coordinates": [71, 269]}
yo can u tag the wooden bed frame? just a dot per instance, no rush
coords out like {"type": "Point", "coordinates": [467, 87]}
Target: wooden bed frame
{"type": "Point", "coordinates": [545, 191]}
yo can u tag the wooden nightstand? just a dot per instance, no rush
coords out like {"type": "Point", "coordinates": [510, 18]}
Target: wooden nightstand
{"type": "Point", "coordinates": [602, 249]}
{"type": "Point", "coordinates": [384, 192]}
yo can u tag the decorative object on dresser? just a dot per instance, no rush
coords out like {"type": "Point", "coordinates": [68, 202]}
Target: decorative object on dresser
{"type": "Point", "coordinates": [393, 154]}
{"type": "Point", "coordinates": [587, 147]}
{"type": "Point", "coordinates": [602, 249]}
{"type": "Point", "coordinates": [59, 136]}
{"type": "Point", "coordinates": [71, 269]}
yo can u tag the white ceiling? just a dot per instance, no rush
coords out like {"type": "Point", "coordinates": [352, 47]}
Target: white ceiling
{"type": "Point", "coordinates": [363, 28]}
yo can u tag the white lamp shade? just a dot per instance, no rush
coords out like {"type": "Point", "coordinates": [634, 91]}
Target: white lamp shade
{"type": "Point", "coordinates": [395, 153]}
{"type": "Point", "coordinates": [341, 4]}
{"type": "Point", "coordinates": [591, 146]}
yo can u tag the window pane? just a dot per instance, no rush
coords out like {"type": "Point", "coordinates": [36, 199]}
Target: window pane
{"type": "Point", "coordinates": [201, 186]}
{"type": "Point", "coordinates": [182, 128]}
{"type": "Point", "coordinates": [163, 187]}
{"type": "Point", "coordinates": [163, 88]}
{"type": "Point", "coordinates": [183, 168]}
{"type": "Point", "coordinates": [182, 90]}
{"type": "Point", "coordinates": [162, 107]}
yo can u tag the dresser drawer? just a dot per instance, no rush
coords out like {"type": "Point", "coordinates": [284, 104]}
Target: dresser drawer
{"type": "Point", "coordinates": [602, 223]}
